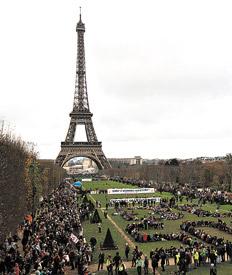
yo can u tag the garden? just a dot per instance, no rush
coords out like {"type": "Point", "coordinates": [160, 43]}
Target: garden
{"type": "Point", "coordinates": [162, 223]}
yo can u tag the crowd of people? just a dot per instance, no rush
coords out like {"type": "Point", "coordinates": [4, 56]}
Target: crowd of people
{"type": "Point", "coordinates": [156, 212]}
{"type": "Point", "coordinates": [202, 194]}
{"type": "Point", "coordinates": [191, 236]}
{"type": "Point", "coordinates": [126, 215]}
{"type": "Point", "coordinates": [222, 246]}
{"type": "Point", "coordinates": [139, 203]}
{"type": "Point", "coordinates": [144, 225]}
{"type": "Point", "coordinates": [134, 231]}
{"type": "Point", "coordinates": [195, 210]}
{"type": "Point", "coordinates": [219, 224]}
{"type": "Point", "coordinates": [115, 265]}
{"type": "Point", "coordinates": [53, 240]}
{"type": "Point", "coordinates": [184, 258]}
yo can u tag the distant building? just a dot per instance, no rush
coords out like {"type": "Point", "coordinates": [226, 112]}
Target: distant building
{"type": "Point", "coordinates": [83, 166]}
{"type": "Point", "coordinates": [137, 160]}
{"type": "Point", "coordinates": [153, 161]}
{"type": "Point", "coordinates": [204, 159]}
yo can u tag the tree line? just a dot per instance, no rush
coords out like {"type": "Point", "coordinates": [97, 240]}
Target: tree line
{"type": "Point", "coordinates": [216, 174]}
{"type": "Point", "coordinates": [24, 181]}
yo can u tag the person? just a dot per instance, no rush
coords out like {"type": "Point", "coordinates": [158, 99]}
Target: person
{"type": "Point", "coordinates": [213, 256]}
{"type": "Point", "coordinates": [105, 214]}
{"type": "Point", "coordinates": [146, 264]}
{"type": "Point", "coordinates": [167, 258]}
{"type": "Point", "coordinates": [99, 227]}
{"type": "Point", "coordinates": [121, 268]}
{"type": "Point", "coordinates": [93, 242]}
{"type": "Point", "coordinates": [72, 259]}
{"type": "Point", "coordinates": [109, 265]}
{"type": "Point", "coordinates": [116, 261]}
{"type": "Point", "coordinates": [154, 263]}
{"type": "Point", "coordinates": [139, 265]}
{"type": "Point", "coordinates": [196, 258]}
{"type": "Point", "coordinates": [2, 266]}
{"type": "Point", "coordinates": [16, 269]}
{"type": "Point", "coordinates": [101, 258]}
{"type": "Point", "coordinates": [163, 258]}
{"type": "Point", "coordinates": [188, 259]}
{"type": "Point", "coordinates": [213, 270]}
{"type": "Point", "coordinates": [86, 271]}
{"type": "Point", "coordinates": [134, 256]}
{"type": "Point", "coordinates": [182, 265]}
{"type": "Point", "coordinates": [127, 251]}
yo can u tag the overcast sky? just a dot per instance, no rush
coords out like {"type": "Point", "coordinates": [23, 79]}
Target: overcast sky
{"type": "Point", "coordinates": [159, 74]}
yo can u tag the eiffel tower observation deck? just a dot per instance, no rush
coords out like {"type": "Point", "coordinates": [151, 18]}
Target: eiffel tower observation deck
{"type": "Point", "coordinates": [81, 115]}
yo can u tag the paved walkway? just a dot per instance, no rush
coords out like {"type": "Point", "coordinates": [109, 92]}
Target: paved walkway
{"type": "Point", "coordinates": [121, 232]}
{"type": "Point", "coordinates": [93, 269]}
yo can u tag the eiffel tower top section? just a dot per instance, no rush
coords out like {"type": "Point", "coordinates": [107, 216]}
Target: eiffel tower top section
{"type": "Point", "coordinates": [81, 102]}
{"type": "Point", "coordinates": [80, 25]}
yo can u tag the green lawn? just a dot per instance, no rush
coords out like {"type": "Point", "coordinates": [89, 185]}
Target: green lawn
{"type": "Point", "coordinates": [104, 185]}
{"type": "Point", "coordinates": [169, 226]}
{"type": "Point", "coordinates": [213, 206]}
{"type": "Point", "coordinates": [91, 230]}
{"type": "Point", "coordinates": [208, 206]}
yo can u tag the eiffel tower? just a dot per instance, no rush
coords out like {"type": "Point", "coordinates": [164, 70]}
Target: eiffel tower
{"type": "Point", "coordinates": [81, 115]}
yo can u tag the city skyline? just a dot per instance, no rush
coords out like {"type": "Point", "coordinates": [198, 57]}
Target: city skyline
{"type": "Point", "coordinates": [159, 84]}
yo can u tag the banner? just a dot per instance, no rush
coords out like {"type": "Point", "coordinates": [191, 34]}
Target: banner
{"type": "Point", "coordinates": [89, 179]}
{"type": "Point", "coordinates": [130, 191]}
{"type": "Point", "coordinates": [74, 238]}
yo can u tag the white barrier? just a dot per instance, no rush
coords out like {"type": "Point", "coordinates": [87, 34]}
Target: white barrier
{"type": "Point", "coordinates": [156, 199]}
{"type": "Point", "coordinates": [87, 179]}
{"type": "Point", "coordinates": [130, 191]}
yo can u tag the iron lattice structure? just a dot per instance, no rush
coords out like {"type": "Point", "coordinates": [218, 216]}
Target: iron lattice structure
{"type": "Point", "coordinates": [81, 115]}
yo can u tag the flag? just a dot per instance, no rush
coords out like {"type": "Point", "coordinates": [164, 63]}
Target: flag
{"type": "Point", "coordinates": [74, 238]}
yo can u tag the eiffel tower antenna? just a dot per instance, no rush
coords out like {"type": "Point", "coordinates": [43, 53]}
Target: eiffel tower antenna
{"type": "Point", "coordinates": [81, 115]}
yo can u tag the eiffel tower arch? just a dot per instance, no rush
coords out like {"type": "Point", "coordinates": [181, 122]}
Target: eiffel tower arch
{"type": "Point", "coordinates": [81, 115]}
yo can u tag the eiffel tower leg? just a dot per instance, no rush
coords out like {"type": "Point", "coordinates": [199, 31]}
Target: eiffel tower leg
{"type": "Point", "coordinates": [105, 162]}
{"type": "Point", "coordinates": [60, 159]}
{"type": "Point", "coordinates": [90, 132]}
{"type": "Point", "coordinates": [99, 155]}
{"type": "Point", "coordinates": [71, 131]}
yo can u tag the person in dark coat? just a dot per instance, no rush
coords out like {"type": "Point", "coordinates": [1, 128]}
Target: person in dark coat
{"type": "Point", "coordinates": [127, 250]}
{"type": "Point", "coordinates": [163, 257]}
{"type": "Point", "coordinates": [146, 265]}
{"type": "Point", "coordinates": [101, 258]}
{"type": "Point", "coordinates": [154, 263]}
